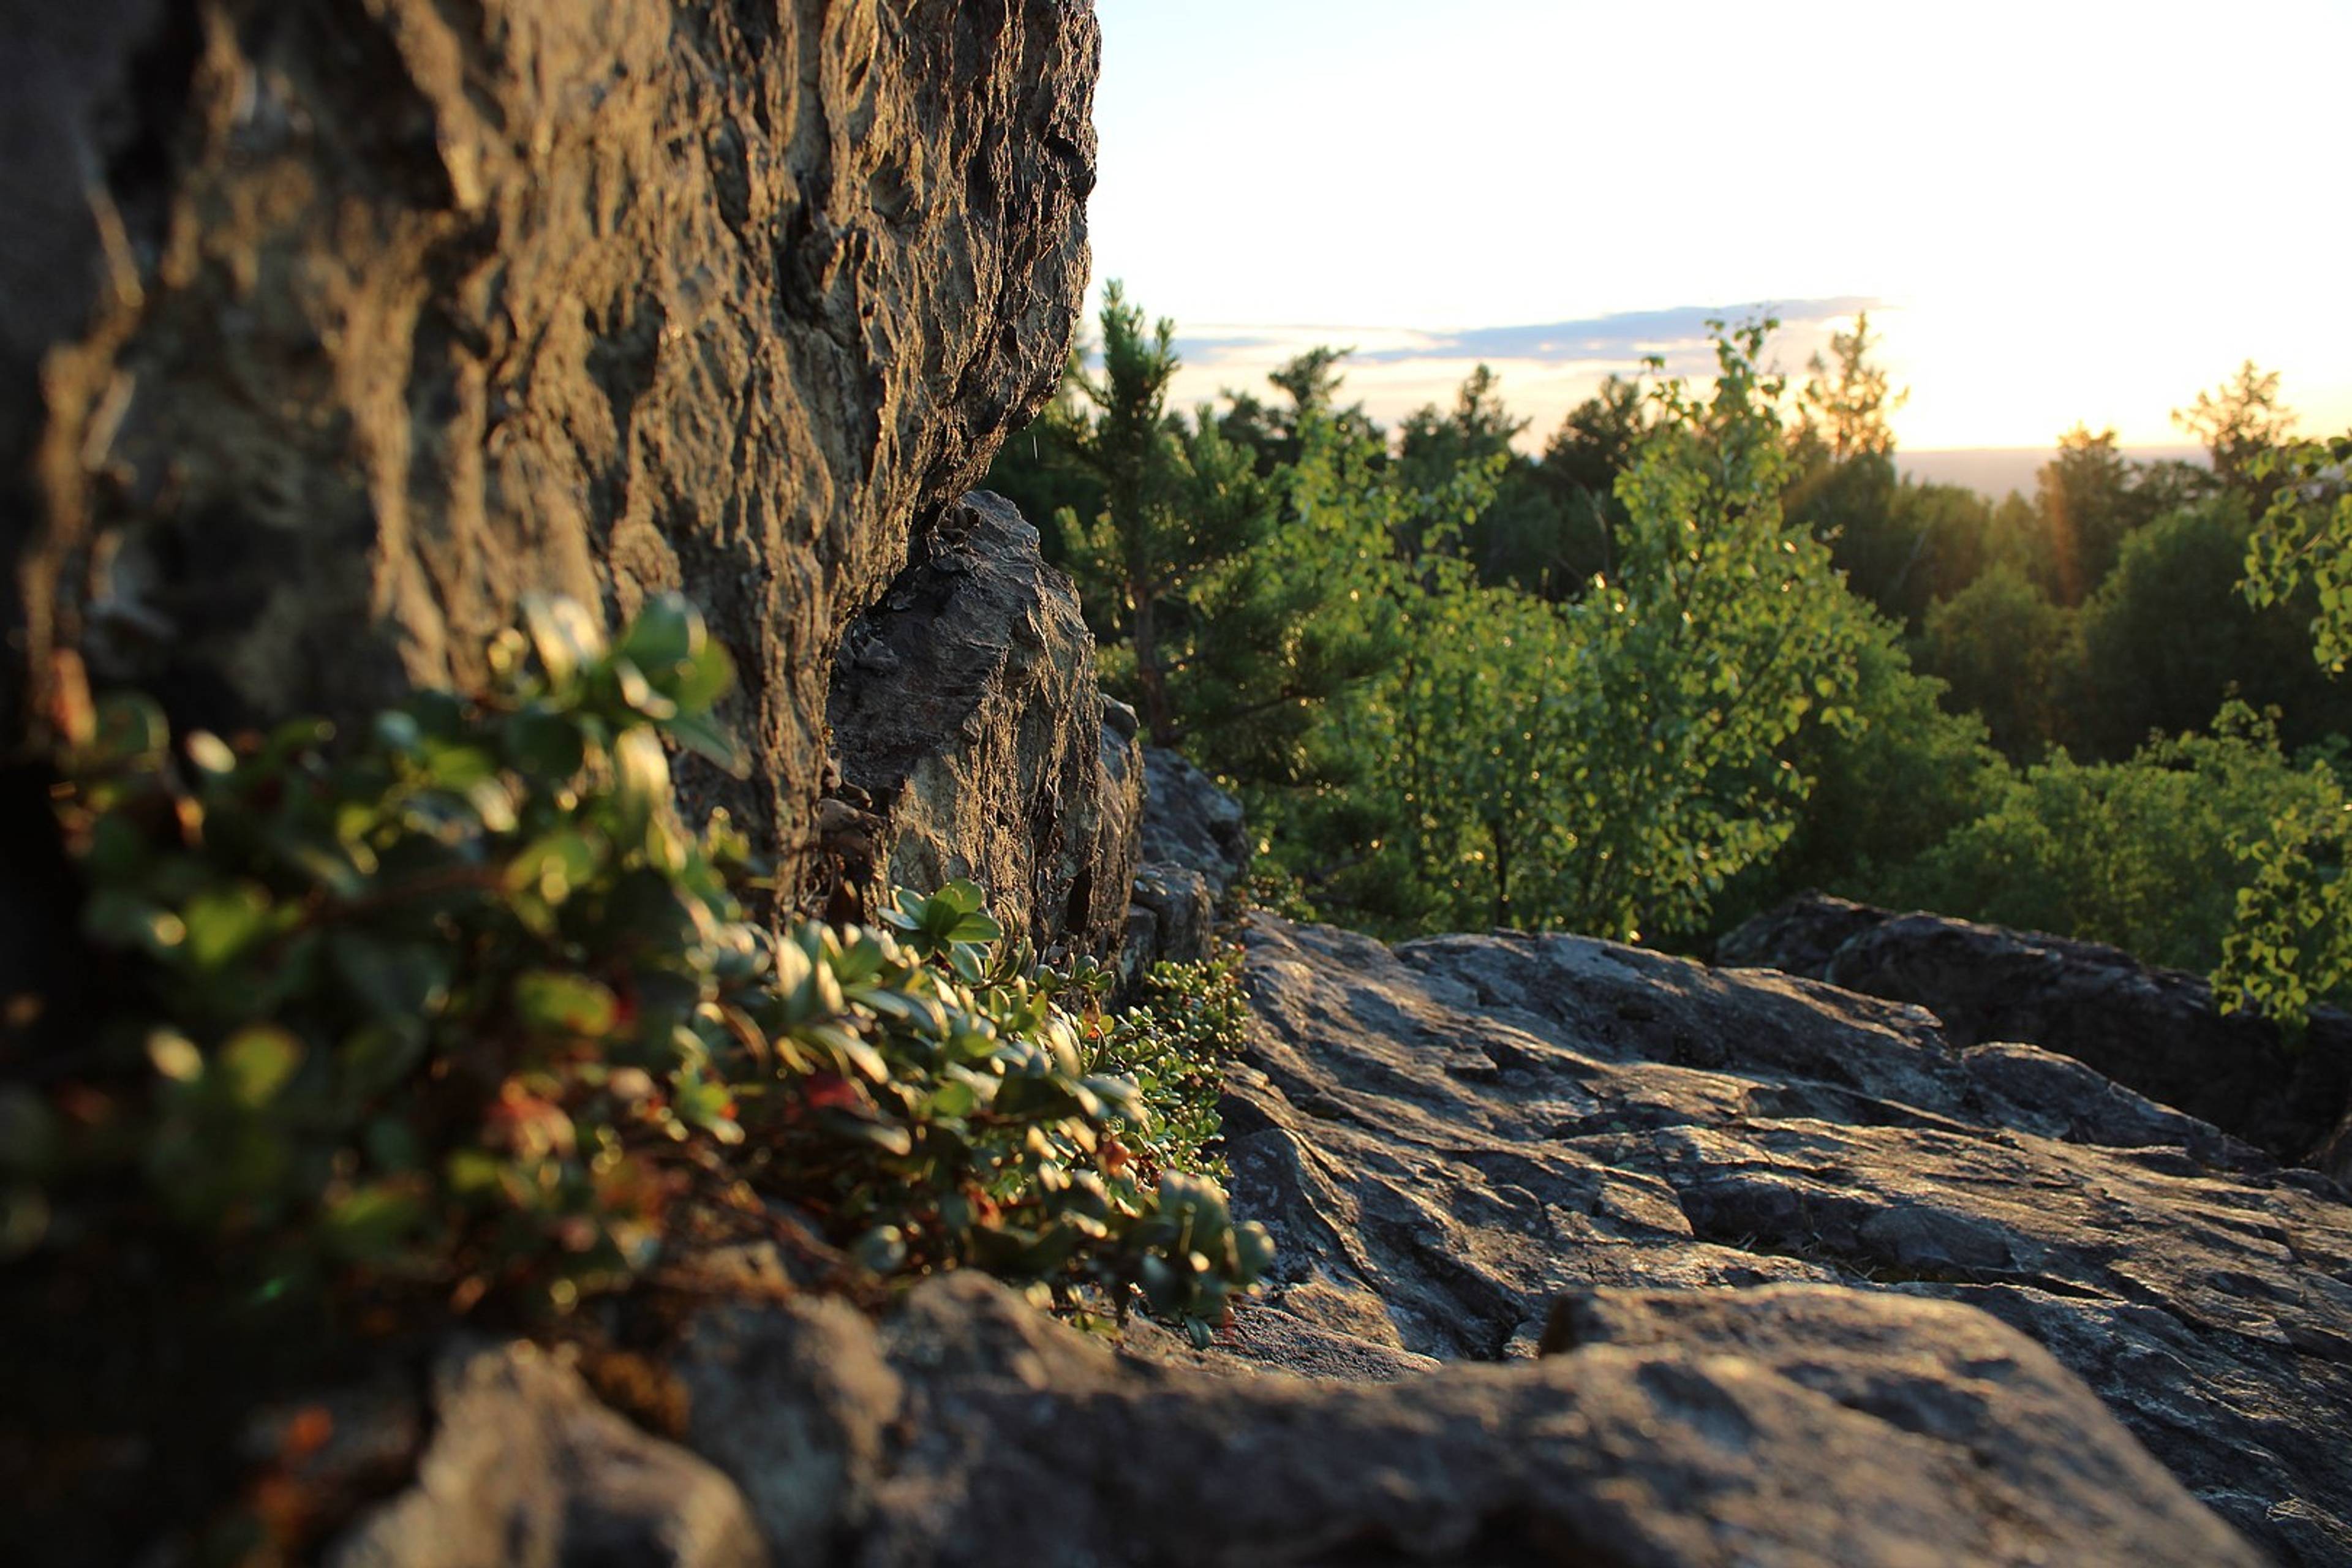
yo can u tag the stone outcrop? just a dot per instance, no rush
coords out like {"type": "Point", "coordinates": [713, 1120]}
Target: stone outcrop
{"type": "Point", "coordinates": [1447, 1136]}
{"type": "Point", "coordinates": [1195, 851]}
{"type": "Point", "coordinates": [967, 720]}
{"type": "Point", "coordinates": [328, 330]}
{"type": "Point", "coordinates": [1792, 1425]}
{"type": "Point", "coordinates": [2156, 1030]}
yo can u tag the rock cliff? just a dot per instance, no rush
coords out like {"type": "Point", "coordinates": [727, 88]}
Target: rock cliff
{"type": "Point", "coordinates": [327, 330]}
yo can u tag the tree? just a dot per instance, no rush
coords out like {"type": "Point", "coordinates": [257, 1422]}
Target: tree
{"type": "Point", "coordinates": [2000, 646]}
{"type": "Point", "coordinates": [1902, 776]}
{"type": "Point", "coordinates": [1222, 645]}
{"type": "Point", "coordinates": [2167, 638]}
{"type": "Point", "coordinates": [2145, 853]}
{"type": "Point", "coordinates": [2238, 422]}
{"type": "Point", "coordinates": [2292, 943]}
{"type": "Point", "coordinates": [2084, 498]}
{"type": "Point", "coordinates": [1848, 405]}
{"type": "Point", "coordinates": [1595, 443]}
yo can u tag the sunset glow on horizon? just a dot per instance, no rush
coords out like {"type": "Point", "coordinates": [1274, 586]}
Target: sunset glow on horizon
{"type": "Point", "coordinates": [2081, 213]}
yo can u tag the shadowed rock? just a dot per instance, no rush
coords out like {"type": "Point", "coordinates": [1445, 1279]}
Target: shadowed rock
{"type": "Point", "coordinates": [2157, 1030]}
{"type": "Point", "coordinates": [527, 1470]}
{"type": "Point", "coordinates": [1195, 851]}
{"type": "Point", "coordinates": [1796, 1426]}
{"type": "Point", "coordinates": [965, 707]}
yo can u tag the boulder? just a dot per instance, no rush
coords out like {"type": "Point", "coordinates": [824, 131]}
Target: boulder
{"type": "Point", "coordinates": [966, 718]}
{"type": "Point", "coordinates": [2157, 1030]}
{"type": "Point", "coordinates": [326, 332]}
{"type": "Point", "coordinates": [527, 1470]}
{"type": "Point", "coordinates": [1804, 1425]}
{"type": "Point", "coordinates": [1447, 1136]}
{"type": "Point", "coordinates": [1195, 850]}
{"type": "Point", "coordinates": [1192, 824]}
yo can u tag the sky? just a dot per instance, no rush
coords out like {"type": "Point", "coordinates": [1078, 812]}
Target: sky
{"type": "Point", "coordinates": [2053, 212]}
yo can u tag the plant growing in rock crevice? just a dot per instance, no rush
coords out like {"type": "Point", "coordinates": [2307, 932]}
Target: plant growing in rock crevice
{"type": "Point", "coordinates": [459, 1006]}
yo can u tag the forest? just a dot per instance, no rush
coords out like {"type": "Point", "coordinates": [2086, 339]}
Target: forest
{"type": "Point", "coordinates": [1710, 648]}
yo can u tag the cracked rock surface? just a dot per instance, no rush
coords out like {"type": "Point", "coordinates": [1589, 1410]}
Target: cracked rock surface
{"type": "Point", "coordinates": [2156, 1029]}
{"type": "Point", "coordinates": [1445, 1136]}
{"type": "Point", "coordinates": [328, 330]}
{"type": "Point", "coordinates": [1795, 1426]}
{"type": "Point", "coordinates": [964, 706]}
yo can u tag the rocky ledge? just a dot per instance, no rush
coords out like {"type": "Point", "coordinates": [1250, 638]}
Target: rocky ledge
{"type": "Point", "coordinates": [1451, 1135]}
{"type": "Point", "coordinates": [2157, 1030]}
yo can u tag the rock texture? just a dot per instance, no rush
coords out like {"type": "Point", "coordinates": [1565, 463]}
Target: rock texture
{"type": "Point", "coordinates": [1446, 1136]}
{"type": "Point", "coordinates": [1195, 851]}
{"type": "Point", "coordinates": [328, 329]}
{"type": "Point", "coordinates": [971, 1430]}
{"type": "Point", "coordinates": [2157, 1030]}
{"type": "Point", "coordinates": [527, 1470]}
{"type": "Point", "coordinates": [966, 717]}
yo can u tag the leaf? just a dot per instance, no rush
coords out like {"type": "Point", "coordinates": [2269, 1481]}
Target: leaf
{"type": "Point", "coordinates": [378, 1054]}
{"type": "Point", "coordinates": [116, 919]}
{"type": "Point", "coordinates": [175, 1056]}
{"type": "Point", "coordinates": [563, 635]}
{"type": "Point", "coordinates": [222, 922]}
{"type": "Point", "coordinates": [668, 632]}
{"type": "Point", "coordinates": [544, 747]}
{"type": "Point", "coordinates": [552, 1002]}
{"type": "Point", "coordinates": [638, 692]}
{"type": "Point", "coordinates": [256, 1064]}
{"type": "Point", "coordinates": [713, 741]}
{"type": "Point", "coordinates": [640, 779]}
{"type": "Point", "coordinates": [708, 678]}
{"type": "Point", "coordinates": [393, 979]}
{"type": "Point", "coordinates": [130, 729]}
{"type": "Point", "coordinates": [553, 866]}
{"type": "Point", "coordinates": [368, 1225]}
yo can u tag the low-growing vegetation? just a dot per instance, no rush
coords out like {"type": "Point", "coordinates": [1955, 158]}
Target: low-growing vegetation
{"type": "Point", "coordinates": [458, 1010]}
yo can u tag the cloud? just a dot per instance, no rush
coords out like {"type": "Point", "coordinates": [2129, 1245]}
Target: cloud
{"type": "Point", "coordinates": [1547, 368]}
{"type": "Point", "coordinates": [1618, 341]}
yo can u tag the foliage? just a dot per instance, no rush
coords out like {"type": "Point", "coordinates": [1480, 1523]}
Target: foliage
{"type": "Point", "coordinates": [1603, 763]}
{"type": "Point", "coordinates": [460, 1007]}
{"type": "Point", "coordinates": [1191, 1019]}
{"type": "Point", "coordinates": [2238, 423]}
{"type": "Point", "coordinates": [2305, 537]}
{"type": "Point", "coordinates": [1847, 408]}
{"type": "Point", "coordinates": [2001, 646]}
{"type": "Point", "coordinates": [1904, 775]}
{"type": "Point", "coordinates": [2293, 941]}
{"type": "Point", "coordinates": [2089, 498]}
{"type": "Point", "coordinates": [2167, 638]}
{"type": "Point", "coordinates": [1218, 646]}
{"type": "Point", "coordinates": [2145, 854]}
{"type": "Point", "coordinates": [2291, 947]}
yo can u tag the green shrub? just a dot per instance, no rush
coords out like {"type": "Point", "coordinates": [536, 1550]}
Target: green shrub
{"type": "Point", "coordinates": [1192, 1017]}
{"type": "Point", "coordinates": [2150, 854]}
{"type": "Point", "coordinates": [459, 1005]}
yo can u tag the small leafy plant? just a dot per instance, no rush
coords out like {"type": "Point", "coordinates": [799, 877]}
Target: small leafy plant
{"type": "Point", "coordinates": [1192, 1017]}
{"type": "Point", "coordinates": [460, 1006]}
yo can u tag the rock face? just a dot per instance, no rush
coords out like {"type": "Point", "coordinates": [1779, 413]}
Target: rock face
{"type": "Point", "coordinates": [327, 330]}
{"type": "Point", "coordinates": [1447, 1136]}
{"type": "Point", "coordinates": [965, 712]}
{"type": "Point", "coordinates": [1195, 851]}
{"type": "Point", "coordinates": [971, 1430]}
{"type": "Point", "coordinates": [2157, 1030]}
